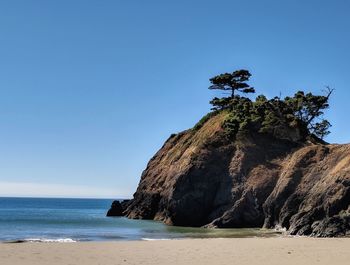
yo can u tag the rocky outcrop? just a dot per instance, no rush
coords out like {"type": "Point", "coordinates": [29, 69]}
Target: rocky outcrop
{"type": "Point", "coordinates": [202, 178]}
{"type": "Point", "coordinates": [118, 208]}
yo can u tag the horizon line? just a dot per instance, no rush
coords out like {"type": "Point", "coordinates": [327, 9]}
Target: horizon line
{"type": "Point", "coordinates": [59, 197]}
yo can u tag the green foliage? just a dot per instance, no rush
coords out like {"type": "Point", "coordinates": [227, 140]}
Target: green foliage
{"type": "Point", "coordinates": [221, 103]}
{"type": "Point", "coordinates": [231, 125]}
{"type": "Point", "coordinates": [302, 112]}
{"type": "Point", "coordinates": [309, 109]}
{"type": "Point", "coordinates": [204, 119]}
{"type": "Point", "coordinates": [233, 82]}
{"type": "Point", "coordinates": [321, 129]}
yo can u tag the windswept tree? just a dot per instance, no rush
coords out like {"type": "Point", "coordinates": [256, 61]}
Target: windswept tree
{"type": "Point", "coordinates": [234, 82]}
{"type": "Point", "coordinates": [309, 109]}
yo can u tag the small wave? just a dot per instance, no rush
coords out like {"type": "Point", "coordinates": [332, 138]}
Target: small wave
{"type": "Point", "coordinates": [154, 239]}
{"type": "Point", "coordinates": [280, 229]}
{"type": "Point", "coordinates": [50, 240]}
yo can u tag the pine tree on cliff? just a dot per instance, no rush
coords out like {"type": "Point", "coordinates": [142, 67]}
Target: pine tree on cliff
{"type": "Point", "coordinates": [234, 82]}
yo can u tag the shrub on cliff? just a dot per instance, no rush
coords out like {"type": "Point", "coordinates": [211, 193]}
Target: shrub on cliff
{"type": "Point", "coordinates": [301, 113]}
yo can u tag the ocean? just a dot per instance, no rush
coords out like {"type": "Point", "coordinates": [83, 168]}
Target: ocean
{"type": "Point", "coordinates": [71, 220]}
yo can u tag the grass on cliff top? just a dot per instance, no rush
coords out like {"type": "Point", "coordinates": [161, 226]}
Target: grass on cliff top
{"type": "Point", "coordinates": [189, 143]}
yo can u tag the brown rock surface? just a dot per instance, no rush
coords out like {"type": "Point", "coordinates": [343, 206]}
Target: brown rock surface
{"type": "Point", "coordinates": [201, 178]}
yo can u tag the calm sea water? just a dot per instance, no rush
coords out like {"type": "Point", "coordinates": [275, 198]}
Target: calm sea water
{"type": "Point", "coordinates": [47, 219]}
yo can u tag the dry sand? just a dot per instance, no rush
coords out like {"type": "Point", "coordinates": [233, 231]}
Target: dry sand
{"type": "Point", "coordinates": [250, 251]}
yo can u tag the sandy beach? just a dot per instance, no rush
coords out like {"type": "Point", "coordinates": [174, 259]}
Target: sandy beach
{"type": "Point", "coordinates": [188, 251]}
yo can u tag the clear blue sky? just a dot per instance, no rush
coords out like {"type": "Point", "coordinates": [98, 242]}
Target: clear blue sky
{"type": "Point", "coordinates": [90, 90]}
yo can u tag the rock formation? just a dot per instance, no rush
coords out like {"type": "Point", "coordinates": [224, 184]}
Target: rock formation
{"type": "Point", "coordinates": [118, 208]}
{"type": "Point", "coordinates": [201, 178]}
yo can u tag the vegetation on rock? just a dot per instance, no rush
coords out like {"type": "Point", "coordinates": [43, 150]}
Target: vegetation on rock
{"type": "Point", "coordinates": [301, 114]}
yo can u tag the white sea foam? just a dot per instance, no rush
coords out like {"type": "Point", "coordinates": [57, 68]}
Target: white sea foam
{"type": "Point", "coordinates": [154, 239]}
{"type": "Point", "coordinates": [280, 229]}
{"type": "Point", "coordinates": [50, 240]}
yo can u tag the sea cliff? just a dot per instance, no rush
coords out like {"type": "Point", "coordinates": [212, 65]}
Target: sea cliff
{"type": "Point", "coordinates": [250, 163]}
{"type": "Point", "coordinates": [202, 178]}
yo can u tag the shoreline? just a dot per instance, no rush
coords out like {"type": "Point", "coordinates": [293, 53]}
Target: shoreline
{"type": "Point", "coordinates": [277, 250]}
{"type": "Point", "coordinates": [70, 240]}
{"type": "Point", "coordinates": [174, 233]}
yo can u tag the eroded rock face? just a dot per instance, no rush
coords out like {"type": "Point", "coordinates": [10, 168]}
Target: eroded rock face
{"type": "Point", "coordinates": [201, 178]}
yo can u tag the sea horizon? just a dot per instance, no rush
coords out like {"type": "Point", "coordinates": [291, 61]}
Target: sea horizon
{"type": "Point", "coordinates": [58, 197]}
